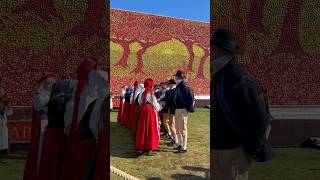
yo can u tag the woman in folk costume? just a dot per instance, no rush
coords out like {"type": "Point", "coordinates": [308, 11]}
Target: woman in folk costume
{"type": "Point", "coordinates": [137, 107]}
{"type": "Point", "coordinates": [126, 106]}
{"type": "Point", "coordinates": [54, 136]}
{"type": "Point", "coordinates": [95, 112]}
{"type": "Point", "coordinates": [5, 110]}
{"type": "Point", "coordinates": [122, 93]}
{"type": "Point", "coordinates": [75, 110]}
{"type": "Point", "coordinates": [39, 122]}
{"type": "Point", "coordinates": [147, 137]}
{"type": "Point", "coordinates": [130, 124]}
{"type": "Point", "coordinates": [99, 126]}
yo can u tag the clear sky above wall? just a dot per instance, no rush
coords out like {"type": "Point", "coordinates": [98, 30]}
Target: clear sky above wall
{"type": "Point", "coordinates": [197, 10]}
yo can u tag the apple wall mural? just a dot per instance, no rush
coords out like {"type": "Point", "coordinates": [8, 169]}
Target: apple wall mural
{"type": "Point", "coordinates": [280, 45]}
{"type": "Point", "coordinates": [49, 35]}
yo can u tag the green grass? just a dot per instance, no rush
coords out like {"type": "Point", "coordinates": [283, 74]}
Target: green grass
{"type": "Point", "coordinates": [290, 163]}
{"type": "Point", "coordinates": [12, 166]}
{"type": "Point", "coordinates": [166, 164]}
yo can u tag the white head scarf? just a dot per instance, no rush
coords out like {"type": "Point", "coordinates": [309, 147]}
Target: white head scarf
{"type": "Point", "coordinates": [69, 106]}
{"type": "Point", "coordinates": [42, 97]}
{"type": "Point", "coordinates": [89, 94]}
{"type": "Point", "coordinates": [139, 90]}
{"type": "Point", "coordinates": [101, 87]}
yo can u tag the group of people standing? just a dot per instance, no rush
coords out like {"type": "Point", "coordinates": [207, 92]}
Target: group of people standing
{"type": "Point", "coordinates": [69, 136]}
{"type": "Point", "coordinates": [147, 110]}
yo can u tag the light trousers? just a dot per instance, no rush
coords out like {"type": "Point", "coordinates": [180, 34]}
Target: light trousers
{"type": "Point", "coordinates": [181, 122]}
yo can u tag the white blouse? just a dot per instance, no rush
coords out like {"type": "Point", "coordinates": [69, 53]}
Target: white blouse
{"type": "Point", "coordinates": [154, 102]}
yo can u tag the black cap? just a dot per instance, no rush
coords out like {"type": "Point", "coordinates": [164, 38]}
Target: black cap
{"type": "Point", "coordinates": [180, 74]}
{"type": "Point", "coordinates": [171, 81]}
{"type": "Point", "coordinates": [225, 39]}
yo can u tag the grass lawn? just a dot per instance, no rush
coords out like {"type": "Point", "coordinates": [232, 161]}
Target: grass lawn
{"type": "Point", "coordinates": [166, 164]}
{"type": "Point", "coordinates": [12, 167]}
{"type": "Point", "coordinates": [290, 163]}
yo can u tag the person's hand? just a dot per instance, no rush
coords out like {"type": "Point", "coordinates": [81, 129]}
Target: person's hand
{"type": "Point", "coordinates": [154, 99]}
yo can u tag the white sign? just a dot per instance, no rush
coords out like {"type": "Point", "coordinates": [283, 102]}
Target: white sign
{"type": "Point", "coordinates": [296, 113]}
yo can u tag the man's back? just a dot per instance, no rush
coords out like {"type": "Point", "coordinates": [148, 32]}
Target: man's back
{"type": "Point", "coordinates": [223, 135]}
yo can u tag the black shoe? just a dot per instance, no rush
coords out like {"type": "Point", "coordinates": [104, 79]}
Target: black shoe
{"type": "Point", "coordinates": [181, 151]}
{"type": "Point", "coordinates": [177, 148]}
{"type": "Point", "coordinates": [139, 153]}
{"type": "Point", "coordinates": [172, 143]}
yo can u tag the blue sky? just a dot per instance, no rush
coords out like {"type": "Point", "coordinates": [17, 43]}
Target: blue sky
{"type": "Point", "coordinates": [197, 10]}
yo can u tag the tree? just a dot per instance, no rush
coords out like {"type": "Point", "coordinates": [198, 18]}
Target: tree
{"type": "Point", "coordinates": [202, 63]}
{"type": "Point", "coordinates": [92, 24]}
{"type": "Point", "coordinates": [44, 9]}
{"type": "Point", "coordinates": [123, 32]}
{"type": "Point", "coordinates": [255, 18]}
{"type": "Point", "coordinates": [152, 31]}
{"type": "Point", "coordinates": [191, 33]}
{"type": "Point", "coordinates": [289, 37]}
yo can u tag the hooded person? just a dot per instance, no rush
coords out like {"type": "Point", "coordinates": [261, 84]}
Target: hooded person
{"type": "Point", "coordinates": [130, 124]}
{"type": "Point", "coordinates": [54, 137]}
{"type": "Point", "coordinates": [75, 111]}
{"type": "Point", "coordinates": [137, 107]}
{"type": "Point", "coordinates": [147, 136]}
{"type": "Point", "coordinates": [39, 122]}
{"type": "Point", "coordinates": [126, 106]}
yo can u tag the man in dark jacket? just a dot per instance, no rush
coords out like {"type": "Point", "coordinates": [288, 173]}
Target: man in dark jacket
{"type": "Point", "coordinates": [169, 105]}
{"type": "Point", "coordinates": [238, 116]}
{"type": "Point", "coordinates": [184, 103]}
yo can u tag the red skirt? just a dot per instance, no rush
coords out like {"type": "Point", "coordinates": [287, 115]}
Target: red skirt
{"type": "Point", "coordinates": [147, 137]}
{"type": "Point", "coordinates": [70, 155]}
{"type": "Point", "coordinates": [52, 149]}
{"type": "Point", "coordinates": [133, 112]}
{"type": "Point", "coordinates": [125, 114]}
{"type": "Point", "coordinates": [120, 110]}
{"type": "Point", "coordinates": [86, 151]}
{"type": "Point", "coordinates": [30, 171]}
{"type": "Point", "coordinates": [102, 170]}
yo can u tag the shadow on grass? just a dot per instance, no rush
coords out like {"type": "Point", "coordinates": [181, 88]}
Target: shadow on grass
{"type": "Point", "coordinates": [14, 156]}
{"type": "Point", "coordinates": [187, 176]}
{"type": "Point", "coordinates": [4, 162]}
{"type": "Point", "coordinates": [163, 148]}
{"type": "Point", "coordinates": [191, 168]}
{"type": "Point", "coordinates": [122, 142]}
{"type": "Point", "coordinates": [153, 178]}
{"type": "Point", "coordinates": [199, 169]}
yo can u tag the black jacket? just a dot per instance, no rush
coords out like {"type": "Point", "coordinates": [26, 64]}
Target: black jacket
{"type": "Point", "coordinates": [127, 97]}
{"type": "Point", "coordinates": [184, 97]}
{"type": "Point", "coordinates": [237, 108]}
{"type": "Point", "coordinates": [169, 99]}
